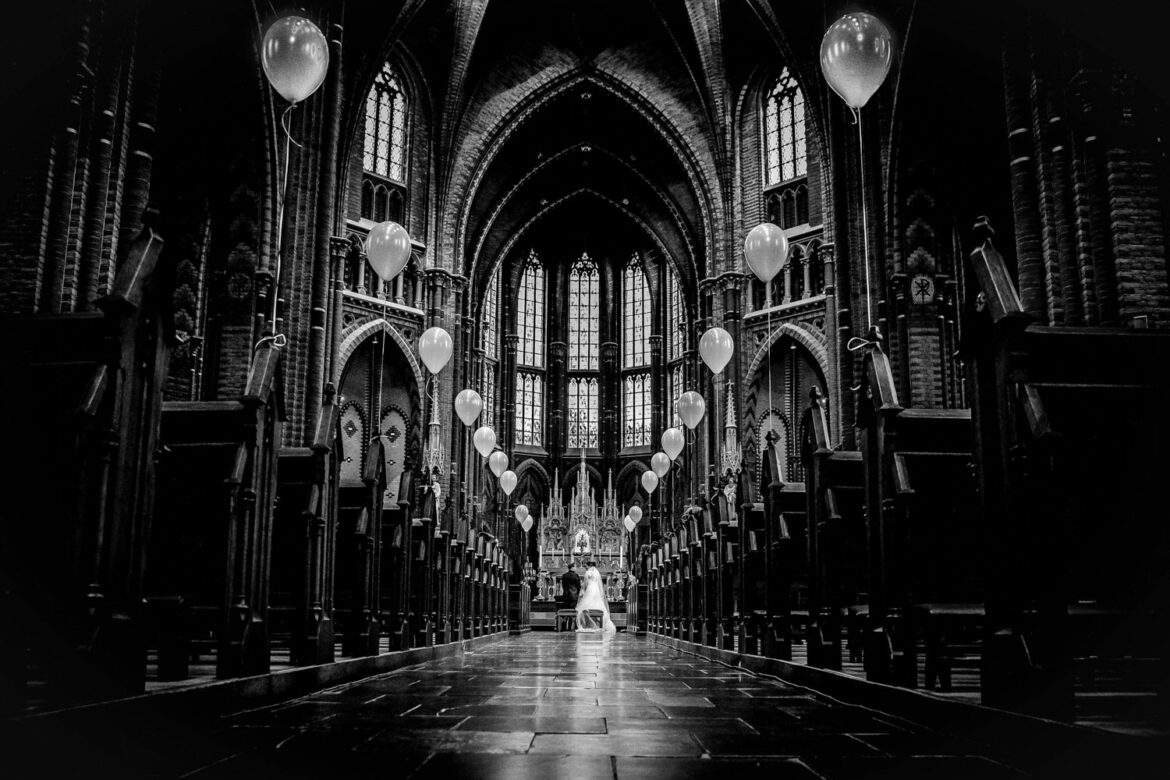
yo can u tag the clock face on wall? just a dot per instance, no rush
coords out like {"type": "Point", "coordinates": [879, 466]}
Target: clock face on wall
{"type": "Point", "coordinates": [922, 289]}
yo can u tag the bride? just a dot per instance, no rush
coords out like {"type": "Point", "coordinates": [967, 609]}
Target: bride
{"type": "Point", "coordinates": [593, 598]}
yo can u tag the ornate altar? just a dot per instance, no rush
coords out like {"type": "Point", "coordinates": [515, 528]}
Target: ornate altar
{"type": "Point", "coordinates": [582, 531]}
{"type": "Point", "coordinates": [578, 532]}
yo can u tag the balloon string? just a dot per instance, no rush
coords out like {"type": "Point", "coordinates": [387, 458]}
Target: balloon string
{"type": "Point", "coordinates": [768, 357]}
{"type": "Point", "coordinates": [282, 196]}
{"type": "Point", "coordinates": [864, 221]}
{"type": "Point", "coordinates": [286, 123]}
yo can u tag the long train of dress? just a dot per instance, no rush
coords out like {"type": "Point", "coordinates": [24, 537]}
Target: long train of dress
{"type": "Point", "coordinates": [592, 599]}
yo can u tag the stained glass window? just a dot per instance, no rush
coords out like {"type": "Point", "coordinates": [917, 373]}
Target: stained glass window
{"type": "Point", "coordinates": [488, 393]}
{"type": "Point", "coordinates": [676, 386]}
{"type": "Point", "coordinates": [530, 314]}
{"type": "Point", "coordinates": [385, 135]}
{"type": "Point", "coordinates": [785, 150]}
{"type": "Point", "coordinates": [584, 314]}
{"type": "Point", "coordinates": [636, 314]}
{"type": "Point", "coordinates": [674, 316]}
{"type": "Point", "coordinates": [490, 311]}
{"type": "Point", "coordinates": [636, 404]}
{"type": "Point", "coordinates": [583, 412]}
{"type": "Point", "coordinates": [530, 409]}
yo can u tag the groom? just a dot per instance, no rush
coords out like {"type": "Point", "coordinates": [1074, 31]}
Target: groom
{"type": "Point", "coordinates": [570, 588]}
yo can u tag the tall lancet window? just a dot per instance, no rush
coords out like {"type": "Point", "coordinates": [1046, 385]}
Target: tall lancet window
{"type": "Point", "coordinates": [384, 150]}
{"type": "Point", "coordinates": [584, 314]}
{"type": "Point", "coordinates": [491, 351]}
{"type": "Point", "coordinates": [675, 336]}
{"type": "Point", "coordinates": [785, 152]}
{"type": "Point", "coordinates": [583, 412]}
{"type": "Point", "coordinates": [385, 142]}
{"type": "Point", "coordinates": [530, 314]}
{"type": "Point", "coordinates": [584, 338]}
{"type": "Point", "coordinates": [636, 315]}
{"type": "Point", "coordinates": [676, 340]}
{"type": "Point", "coordinates": [530, 355]}
{"type": "Point", "coordinates": [635, 355]}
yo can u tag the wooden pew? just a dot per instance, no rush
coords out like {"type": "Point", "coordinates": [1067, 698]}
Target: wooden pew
{"type": "Point", "coordinates": [921, 524]}
{"type": "Point", "coordinates": [835, 529]}
{"type": "Point", "coordinates": [214, 516]}
{"type": "Point", "coordinates": [82, 395]}
{"type": "Point", "coordinates": [361, 525]}
{"type": "Point", "coordinates": [1071, 425]}
{"type": "Point", "coordinates": [305, 542]}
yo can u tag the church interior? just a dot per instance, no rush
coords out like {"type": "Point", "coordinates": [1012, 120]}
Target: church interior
{"type": "Point", "coordinates": [834, 337]}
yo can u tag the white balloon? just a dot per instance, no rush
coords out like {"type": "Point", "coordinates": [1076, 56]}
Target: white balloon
{"type": "Point", "coordinates": [434, 347]}
{"type": "Point", "coordinates": [649, 481]}
{"type": "Point", "coordinates": [660, 463]}
{"type": "Point", "coordinates": [690, 407]}
{"type": "Point", "coordinates": [484, 440]}
{"type": "Point", "coordinates": [629, 523]}
{"type": "Point", "coordinates": [766, 250]}
{"type": "Point", "coordinates": [636, 513]}
{"type": "Point", "coordinates": [526, 524]}
{"type": "Point", "coordinates": [498, 462]}
{"type": "Point", "coordinates": [855, 56]}
{"type": "Point", "coordinates": [716, 348]}
{"type": "Point", "coordinates": [468, 405]}
{"type": "Point", "coordinates": [508, 481]}
{"type": "Point", "coordinates": [521, 512]}
{"type": "Point", "coordinates": [295, 57]}
{"type": "Point", "coordinates": [388, 249]}
{"type": "Point", "coordinates": [673, 442]}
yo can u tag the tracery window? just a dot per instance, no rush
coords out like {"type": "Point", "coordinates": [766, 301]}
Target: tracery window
{"type": "Point", "coordinates": [584, 315]}
{"type": "Point", "coordinates": [636, 325]}
{"type": "Point", "coordinates": [785, 152]}
{"type": "Point", "coordinates": [676, 386]}
{"type": "Point", "coordinates": [583, 428]}
{"type": "Point", "coordinates": [529, 424]}
{"type": "Point", "coordinates": [636, 402]}
{"type": "Point", "coordinates": [490, 335]}
{"type": "Point", "coordinates": [674, 316]}
{"type": "Point", "coordinates": [636, 316]}
{"type": "Point", "coordinates": [385, 138]}
{"type": "Point", "coordinates": [529, 409]}
{"type": "Point", "coordinates": [490, 314]}
{"type": "Point", "coordinates": [530, 314]}
{"type": "Point", "coordinates": [488, 394]}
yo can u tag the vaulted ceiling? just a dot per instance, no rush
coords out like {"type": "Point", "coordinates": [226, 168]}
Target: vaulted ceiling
{"type": "Point", "coordinates": [535, 105]}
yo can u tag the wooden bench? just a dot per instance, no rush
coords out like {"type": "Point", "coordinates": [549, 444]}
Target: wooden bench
{"type": "Point", "coordinates": [566, 620]}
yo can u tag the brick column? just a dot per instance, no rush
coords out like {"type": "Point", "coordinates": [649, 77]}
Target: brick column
{"type": "Point", "coordinates": [556, 395]}
{"type": "Point", "coordinates": [610, 398]}
{"type": "Point", "coordinates": [506, 417]}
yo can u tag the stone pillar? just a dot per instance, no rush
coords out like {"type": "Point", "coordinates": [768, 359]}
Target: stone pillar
{"type": "Point", "coordinates": [321, 258]}
{"type": "Point", "coordinates": [610, 398]}
{"type": "Point", "coordinates": [339, 248]}
{"type": "Point", "coordinates": [835, 392]}
{"type": "Point", "coordinates": [556, 390]}
{"type": "Point", "coordinates": [506, 425]}
{"type": "Point", "coordinates": [57, 234]}
{"type": "Point", "coordinates": [657, 391]}
{"type": "Point", "coordinates": [1098, 273]}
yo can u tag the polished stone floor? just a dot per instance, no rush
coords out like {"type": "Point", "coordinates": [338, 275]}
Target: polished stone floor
{"type": "Point", "coordinates": [545, 705]}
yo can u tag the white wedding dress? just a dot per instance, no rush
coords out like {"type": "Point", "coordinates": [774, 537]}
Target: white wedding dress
{"type": "Point", "coordinates": [593, 598]}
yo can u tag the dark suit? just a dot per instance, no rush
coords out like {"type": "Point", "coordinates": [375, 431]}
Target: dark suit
{"type": "Point", "coordinates": [570, 589]}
